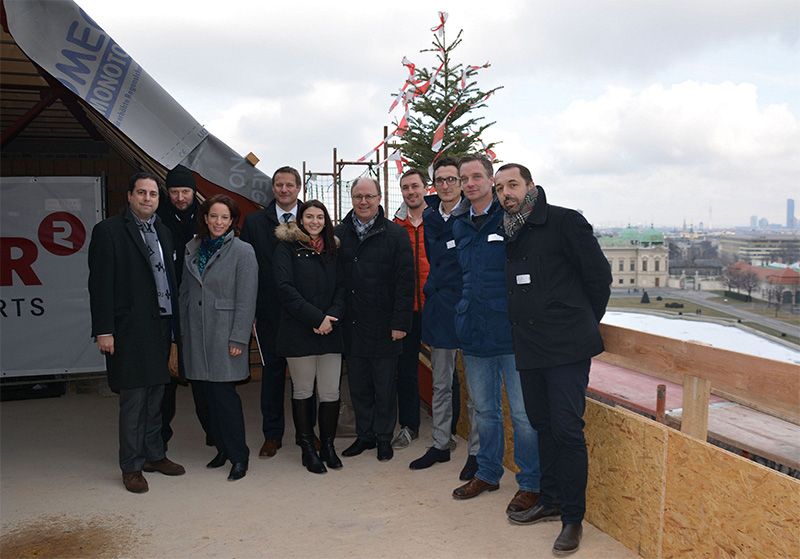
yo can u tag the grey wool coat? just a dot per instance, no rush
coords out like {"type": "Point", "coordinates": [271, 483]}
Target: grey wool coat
{"type": "Point", "coordinates": [218, 309]}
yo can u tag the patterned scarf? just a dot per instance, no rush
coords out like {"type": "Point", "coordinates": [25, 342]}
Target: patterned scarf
{"type": "Point", "coordinates": [157, 264]}
{"type": "Point", "coordinates": [207, 249]}
{"type": "Point", "coordinates": [318, 244]}
{"type": "Point", "coordinates": [512, 223]}
{"type": "Point", "coordinates": [363, 228]}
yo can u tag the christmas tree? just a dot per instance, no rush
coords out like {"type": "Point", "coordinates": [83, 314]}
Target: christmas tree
{"type": "Point", "coordinates": [441, 105]}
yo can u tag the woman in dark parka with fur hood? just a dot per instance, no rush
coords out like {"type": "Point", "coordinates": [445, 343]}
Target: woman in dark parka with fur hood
{"type": "Point", "coordinates": [311, 294]}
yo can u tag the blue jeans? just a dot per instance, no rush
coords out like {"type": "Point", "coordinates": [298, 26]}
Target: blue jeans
{"type": "Point", "coordinates": [485, 376]}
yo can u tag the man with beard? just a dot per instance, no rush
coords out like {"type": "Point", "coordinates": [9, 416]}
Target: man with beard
{"type": "Point", "coordinates": [409, 216]}
{"type": "Point", "coordinates": [178, 213]}
{"type": "Point", "coordinates": [558, 284]}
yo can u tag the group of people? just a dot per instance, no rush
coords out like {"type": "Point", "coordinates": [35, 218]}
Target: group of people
{"type": "Point", "coordinates": [485, 266]}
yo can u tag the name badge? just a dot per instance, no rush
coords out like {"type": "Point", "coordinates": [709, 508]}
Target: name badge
{"type": "Point", "coordinates": [451, 244]}
{"type": "Point", "coordinates": [523, 279]}
{"type": "Point", "coordinates": [494, 237]}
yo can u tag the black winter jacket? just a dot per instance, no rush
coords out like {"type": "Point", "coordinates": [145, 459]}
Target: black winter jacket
{"type": "Point", "coordinates": [309, 287]}
{"type": "Point", "coordinates": [558, 288]}
{"type": "Point", "coordinates": [379, 286]}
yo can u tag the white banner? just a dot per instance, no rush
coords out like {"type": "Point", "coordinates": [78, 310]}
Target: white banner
{"type": "Point", "coordinates": [45, 324]}
{"type": "Point", "coordinates": [69, 45]}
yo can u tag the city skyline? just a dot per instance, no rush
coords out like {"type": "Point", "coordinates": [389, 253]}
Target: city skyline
{"type": "Point", "coordinates": [636, 113]}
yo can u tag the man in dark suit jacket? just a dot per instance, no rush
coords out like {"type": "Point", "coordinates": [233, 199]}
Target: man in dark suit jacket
{"type": "Point", "coordinates": [259, 231]}
{"type": "Point", "coordinates": [558, 288]}
{"type": "Point", "coordinates": [131, 287]}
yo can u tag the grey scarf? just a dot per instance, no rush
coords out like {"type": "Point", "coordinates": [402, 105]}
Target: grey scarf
{"type": "Point", "coordinates": [157, 263]}
{"type": "Point", "coordinates": [512, 223]}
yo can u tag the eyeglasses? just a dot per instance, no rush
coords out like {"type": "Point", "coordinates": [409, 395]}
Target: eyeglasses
{"type": "Point", "coordinates": [364, 197]}
{"type": "Point", "coordinates": [449, 180]}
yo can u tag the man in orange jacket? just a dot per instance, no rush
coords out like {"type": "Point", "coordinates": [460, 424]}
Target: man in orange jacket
{"type": "Point", "coordinates": [413, 185]}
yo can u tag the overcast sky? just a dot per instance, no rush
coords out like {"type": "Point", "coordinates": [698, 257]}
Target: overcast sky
{"type": "Point", "coordinates": [635, 112]}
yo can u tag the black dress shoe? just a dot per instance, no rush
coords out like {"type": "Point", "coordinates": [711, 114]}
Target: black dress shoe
{"type": "Point", "coordinates": [238, 471]}
{"type": "Point", "coordinates": [470, 468]}
{"type": "Point", "coordinates": [358, 447]}
{"type": "Point", "coordinates": [538, 513]}
{"type": "Point", "coordinates": [431, 457]}
{"type": "Point", "coordinates": [385, 451]}
{"type": "Point", "coordinates": [568, 540]}
{"type": "Point", "coordinates": [218, 461]}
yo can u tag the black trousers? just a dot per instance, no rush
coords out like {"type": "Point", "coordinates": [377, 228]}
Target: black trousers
{"type": "Point", "coordinates": [408, 376]}
{"type": "Point", "coordinates": [140, 427]}
{"type": "Point", "coordinates": [373, 391]}
{"type": "Point", "coordinates": [168, 408]}
{"type": "Point", "coordinates": [273, 388]}
{"type": "Point", "coordinates": [226, 418]}
{"type": "Point", "coordinates": [555, 399]}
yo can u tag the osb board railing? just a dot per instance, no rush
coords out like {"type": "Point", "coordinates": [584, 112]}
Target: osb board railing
{"type": "Point", "coordinates": [665, 494]}
{"type": "Point", "coordinates": [766, 385]}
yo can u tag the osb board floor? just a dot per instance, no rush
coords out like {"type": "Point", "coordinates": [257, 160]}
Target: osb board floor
{"type": "Point", "coordinates": [627, 460]}
{"type": "Point", "coordinates": [721, 505]}
{"type": "Point", "coordinates": [62, 497]}
{"type": "Point", "coordinates": [758, 433]}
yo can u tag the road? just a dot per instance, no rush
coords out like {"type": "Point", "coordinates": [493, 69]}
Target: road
{"type": "Point", "coordinates": [704, 298]}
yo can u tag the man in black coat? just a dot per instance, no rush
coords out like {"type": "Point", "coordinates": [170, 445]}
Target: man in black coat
{"type": "Point", "coordinates": [259, 231]}
{"type": "Point", "coordinates": [378, 272]}
{"type": "Point", "coordinates": [134, 320]}
{"type": "Point", "coordinates": [179, 213]}
{"type": "Point", "coordinates": [558, 284]}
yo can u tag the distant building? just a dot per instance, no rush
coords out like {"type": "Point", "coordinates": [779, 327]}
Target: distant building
{"type": "Point", "coordinates": [760, 249]}
{"type": "Point", "coordinates": [763, 223]}
{"type": "Point", "coordinates": [791, 222]}
{"type": "Point", "coordinates": [776, 283]}
{"type": "Point", "coordinates": [639, 258]}
{"type": "Point", "coordinates": [754, 221]}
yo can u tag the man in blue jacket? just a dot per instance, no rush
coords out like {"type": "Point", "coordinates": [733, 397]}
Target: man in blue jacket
{"type": "Point", "coordinates": [558, 285]}
{"type": "Point", "coordinates": [442, 292]}
{"type": "Point", "coordinates": [484, 333]}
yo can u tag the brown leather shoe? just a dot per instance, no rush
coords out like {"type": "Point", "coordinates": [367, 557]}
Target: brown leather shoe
{"type": "Point", "coordinates": [473, 488]}
{"type": "Point", "coordinates": [164, 466]}
{"type": "Point", "coordinates": [523, 500]}
{"type": "Point", "coordinates": [269, 448]}
{"type": "Point", "coordinates": [135, 482]}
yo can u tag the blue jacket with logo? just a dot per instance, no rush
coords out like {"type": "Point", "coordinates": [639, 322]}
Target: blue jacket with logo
{"type": "Point", "coordinates": [443, 287]}
{"type": "Point", "coordinates": [482, 324]}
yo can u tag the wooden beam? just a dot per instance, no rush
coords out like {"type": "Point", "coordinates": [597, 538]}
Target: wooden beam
{"type": "Point", "coordinates": [694, 420]}
{"type": "Point", "coordinates": [48, 97]}
{"type": "Point", "coordinates": [762, 384]}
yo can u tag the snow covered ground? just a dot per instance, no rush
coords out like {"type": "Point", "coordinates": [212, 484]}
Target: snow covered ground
{"type": "Point", "coordinates": [725, 337]}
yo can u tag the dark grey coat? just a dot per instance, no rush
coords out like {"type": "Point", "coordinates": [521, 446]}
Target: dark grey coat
{"type": "Point", "coordinates": [218, 309]}
{"type": "Point", "coordinates": [124, 303]}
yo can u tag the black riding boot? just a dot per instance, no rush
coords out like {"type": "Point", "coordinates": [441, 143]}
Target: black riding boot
{"type": "Point", "coordinates": [302, 412]}
{"type": "Point", "coordinates": [328, 420]}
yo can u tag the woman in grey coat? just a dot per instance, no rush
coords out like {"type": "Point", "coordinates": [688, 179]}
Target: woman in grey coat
{"type": "Point", "coordinates": [218, 302]}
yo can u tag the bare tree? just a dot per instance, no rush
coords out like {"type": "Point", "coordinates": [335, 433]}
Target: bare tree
{"type": "Point", "coordinates": [748, 280]}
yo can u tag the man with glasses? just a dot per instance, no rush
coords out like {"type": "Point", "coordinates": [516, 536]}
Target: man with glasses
{"type": "Point", "coordinates": [379, 279]}
{"type": "Point", "coordinates": [484, 333]}
{"type": "Point", "coordinates": [259, 231]}
{"type": "Point", "coordinates": [442, 292]}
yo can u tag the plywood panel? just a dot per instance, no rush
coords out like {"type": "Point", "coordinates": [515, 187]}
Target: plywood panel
{"type": "Point", "coordinates": [721, 505]}
{"type": "Point", "coordinates": [762, 384]}
{"type": "Point", "coordinates": [627, 461]}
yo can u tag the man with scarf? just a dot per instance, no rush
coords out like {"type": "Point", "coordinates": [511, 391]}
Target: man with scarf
{"type": "Point", "coordinates": [558, 287]}
{"type": "Point", "coordinates": [134, 320]}
{"type": "Point", "coordinates": [179, 214]}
